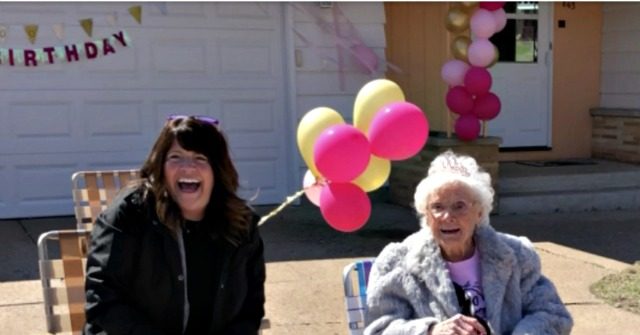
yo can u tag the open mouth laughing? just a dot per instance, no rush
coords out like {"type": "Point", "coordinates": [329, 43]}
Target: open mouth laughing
{"type": "Point", "coordinates": [188, 185]}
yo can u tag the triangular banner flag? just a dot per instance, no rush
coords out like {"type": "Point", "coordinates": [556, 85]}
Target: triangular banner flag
{"type": "Point", "coordinates": [4, 31]}
{"type": "Point", "coordinates": [136, 12]}
{"type": "Point", "coordinates": [58, 30]}
{"type": "Point", "coordinates": [87, 25]}
{"type": "Point", "coordinates": [112, 19]}
{"type": "Point", "coordinates": [32, 32]}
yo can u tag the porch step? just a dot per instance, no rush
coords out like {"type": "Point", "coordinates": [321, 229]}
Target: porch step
{"type": "Point", "coordinates": [568, 186]}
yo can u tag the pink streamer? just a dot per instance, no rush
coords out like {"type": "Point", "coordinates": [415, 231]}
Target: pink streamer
{"type": "Point", "coordinates": [346, 38]}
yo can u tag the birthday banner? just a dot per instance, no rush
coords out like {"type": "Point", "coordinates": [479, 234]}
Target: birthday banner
{"type": "Point", "coordinates": [64, 54]}
{"type": "Point", "coordinates": [68, 53]}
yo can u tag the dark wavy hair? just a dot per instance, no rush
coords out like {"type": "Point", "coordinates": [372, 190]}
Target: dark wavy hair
{"type": "Point", "coordinates": [230, 213]}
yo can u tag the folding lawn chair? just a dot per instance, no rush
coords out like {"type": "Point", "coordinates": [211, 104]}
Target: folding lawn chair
{"type": "Point", "coordinates": [355, 277]}
{"type": "Point", "coordinates": [63, 278]}
{"type": "Point", "coordinates": [93, 191]}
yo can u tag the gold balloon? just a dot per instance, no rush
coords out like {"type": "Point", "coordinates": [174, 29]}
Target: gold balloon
{"type": "Point", "coordinates": [460, 47]}
{"type": "Point", "coordinates": [496, 58]}
{"type": "Point", "coordinates": [457, 20]}
{"type": "Point", "coordinates": [468, 6]}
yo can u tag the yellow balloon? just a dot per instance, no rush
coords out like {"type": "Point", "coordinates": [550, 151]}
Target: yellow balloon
{"type": "Point", "coordinates": [375, 175]}
{"type": "Point", "coordinates": [310, 127]}
{"type": "Point", "coordinates": [371, 97]}
{"type": "Point", "coordinates": [457, 20]}
{"type": "Point", "coordinates": [460, 47]}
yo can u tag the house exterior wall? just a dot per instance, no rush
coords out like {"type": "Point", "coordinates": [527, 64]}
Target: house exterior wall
{"type": "Point", "coordinates": [318, 78]}
{"type": "Point", "coordinates": [620, 85]}
{"type": "Point", "coordinates": [418, 41]}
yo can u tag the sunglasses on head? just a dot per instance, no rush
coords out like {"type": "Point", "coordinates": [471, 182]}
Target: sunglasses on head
{"type": "Point", "coordinates": [202, 118]}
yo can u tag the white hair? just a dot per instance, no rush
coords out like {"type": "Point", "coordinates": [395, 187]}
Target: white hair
{"type": "Point", "coordinates": [448, 168]}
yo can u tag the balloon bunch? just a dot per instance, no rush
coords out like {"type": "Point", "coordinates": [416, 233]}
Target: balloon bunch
{"type": "Point", "coordinates": [469, 80]}
{"type": "Point", "coordinates": [346, 161]}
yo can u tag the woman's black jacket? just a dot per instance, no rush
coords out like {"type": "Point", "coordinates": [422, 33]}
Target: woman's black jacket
{"type": "Point", "coordinates": [135, 282]}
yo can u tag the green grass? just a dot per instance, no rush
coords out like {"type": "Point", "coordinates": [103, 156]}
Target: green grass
{"type": "Point", "coordinates": [622, 290]}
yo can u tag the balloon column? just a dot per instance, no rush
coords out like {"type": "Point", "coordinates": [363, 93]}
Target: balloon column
{"type": "Point", "coordinates": [346, 161]}
{"type": "Point", "coordinates": [469, 81]}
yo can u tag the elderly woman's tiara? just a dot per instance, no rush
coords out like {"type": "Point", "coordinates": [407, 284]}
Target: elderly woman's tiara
{"type": "Point", "coordinates": [450, 163]}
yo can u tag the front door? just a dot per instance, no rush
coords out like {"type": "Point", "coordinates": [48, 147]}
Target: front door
{"type": "Point", "coordinates": [521, 78]}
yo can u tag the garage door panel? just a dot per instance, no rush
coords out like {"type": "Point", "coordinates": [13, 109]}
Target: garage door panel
{"type": "Point", "coordinates": [43, 183]}
{"type": "Point", "coordinates": [180, 55]}
{"type": "Point", "coordinates": [239, 58]}
{"type": "Point", "coordinates": [112, 119]}
{"type": "Point", "coordinates": [248, 116]}
{"type": "Point", "coordinates": [259, 180]}
{"type": "Point", "coordinates": [40, 119]}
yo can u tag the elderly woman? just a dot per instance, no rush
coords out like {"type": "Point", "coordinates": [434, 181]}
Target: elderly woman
{"type": "Point", "coordinates": [458, 275]}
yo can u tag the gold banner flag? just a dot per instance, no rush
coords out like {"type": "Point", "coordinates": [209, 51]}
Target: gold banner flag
{"type": "Point", "coordinates": [4, 31]}
{"type": "Point", "coordinates": [58, 30]}
{"type": "Point", "coordinates": [87, 25]}
{"type": "Point", "coordinates": [32, 32]}
{"type": "Point", "coordinates": [136, 13]}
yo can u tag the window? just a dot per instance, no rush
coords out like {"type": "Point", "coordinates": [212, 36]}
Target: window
{"type": "Point", "coordinates": [518, 41]}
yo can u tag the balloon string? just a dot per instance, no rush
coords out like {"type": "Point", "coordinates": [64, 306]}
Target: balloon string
{"type": "Point", "coordinates": [286, 203]}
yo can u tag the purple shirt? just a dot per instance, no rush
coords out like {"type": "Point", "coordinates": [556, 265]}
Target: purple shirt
{"type": "Point", "coordinates": [466, 273]}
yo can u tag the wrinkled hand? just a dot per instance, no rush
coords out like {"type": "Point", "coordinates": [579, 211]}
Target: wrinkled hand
{"type": "Point", "coordinates": [458, 325]}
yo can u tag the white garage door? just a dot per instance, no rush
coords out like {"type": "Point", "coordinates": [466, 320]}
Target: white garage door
{"type": "Point", "coordinates": [224, 60]}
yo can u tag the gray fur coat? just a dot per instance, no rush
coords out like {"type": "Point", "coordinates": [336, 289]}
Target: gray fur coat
{"type": "Point", "coordinates": [410, 288]}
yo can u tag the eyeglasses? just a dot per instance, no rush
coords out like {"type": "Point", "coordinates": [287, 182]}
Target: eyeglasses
{"type": "Point", "coordinates": [202, 118]}
{"type": "Point", "coordinates": [458, 208]}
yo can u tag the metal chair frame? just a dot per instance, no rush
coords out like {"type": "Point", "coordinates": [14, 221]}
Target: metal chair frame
{"type": "Point", "coordinates": [355, 277]}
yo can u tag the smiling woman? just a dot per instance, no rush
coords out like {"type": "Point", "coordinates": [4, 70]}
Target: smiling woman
{"type": "Point", "coordinates": [178, 252]}
{"type": "Point", "coordinates": [458, 275]}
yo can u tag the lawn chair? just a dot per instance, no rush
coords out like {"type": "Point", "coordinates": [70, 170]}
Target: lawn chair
{"type": "Point", "coordinates": [63, 278]}
{"type": "Point", "coordinates": [355, 277]}
{"type": "Point", "coordinates": [93, 191]}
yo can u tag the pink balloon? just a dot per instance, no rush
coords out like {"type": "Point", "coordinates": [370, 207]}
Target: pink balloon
{"type": "Point", "coordinates": [398, 131]}
{"type": "Point", "coordinates": [486, 107]}
{"type": "Point", "coordinates": [459, 100]}
{"type": "Point", "coordinates": [491, 5]}
{"type": "Point", "coordinates": [345, 206]}
{"type": "Point", "coordinates": [477, 81]}
{"type": "Point", "coordinates": [481, 52]}
{"type": "Point", "coordinates": [500, 19]}
{"type": "Point", "coordinates": [312, 188]}
{"type": "Point", "coordinates": [341, 153]}
{"type": "Point", "coordinates": [453, 72]}
{"type": "Point", "coordinates": [467, 127]}
{"type": "Point", "coordinates": [482, 23]}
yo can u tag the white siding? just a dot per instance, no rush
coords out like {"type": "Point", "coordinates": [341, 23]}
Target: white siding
{"type": "Point", "coordinates": [620, 86]}
{"type": "Point", "coordinates": [317, 81]}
